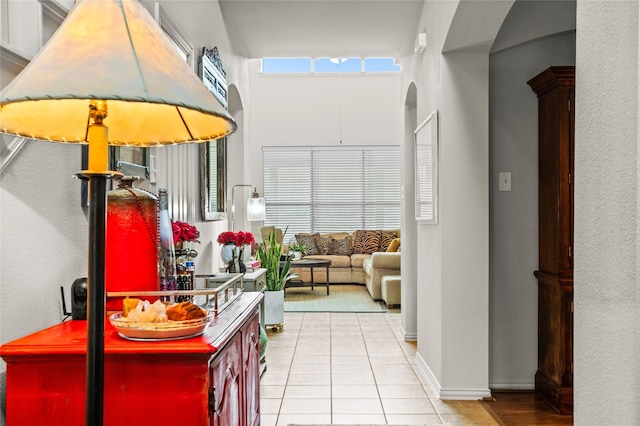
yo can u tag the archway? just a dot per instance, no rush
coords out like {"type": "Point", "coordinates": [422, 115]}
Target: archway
{"type": "Point", "coordinates": [409, 299]}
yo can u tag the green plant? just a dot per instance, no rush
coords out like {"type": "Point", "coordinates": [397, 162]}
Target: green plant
{"type": "Point", "coordinates": [299, 247]}
{"type": "Point", "coordinates": [270, 253]}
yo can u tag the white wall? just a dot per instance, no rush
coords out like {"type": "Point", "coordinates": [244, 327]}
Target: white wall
{"type": "Point", "coordinates": [43, 227]}
{"type": "Point", "coordinates": [320, 110]}
{"type": "Point", "coordinates": [453, 312]}
{"type": "Point", "coordinates": [514, 214]}
{"type": "Point", "coordinates": [607, 288]}
{"type": "Point", "coordinates": [325, 109]}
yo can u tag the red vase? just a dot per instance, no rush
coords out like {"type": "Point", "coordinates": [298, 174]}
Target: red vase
{"type": "Point", "coordinates": [132, 242]}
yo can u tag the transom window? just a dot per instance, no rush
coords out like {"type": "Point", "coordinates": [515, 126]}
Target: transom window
{"type": "Point", "coordinates": [331, 189]}
{"type": "Point", "coordinates": [328, 65]}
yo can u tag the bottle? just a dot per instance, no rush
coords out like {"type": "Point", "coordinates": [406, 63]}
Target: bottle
{"type": "Point", "coordinates": [191, 270]}
{"type": "Point", "coordinates": [167, 255]}
{"type": "Point", "coordinates": [182, 281]}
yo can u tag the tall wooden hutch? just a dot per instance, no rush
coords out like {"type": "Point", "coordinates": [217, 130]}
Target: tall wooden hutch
{"type": "Point", "coordinates": [554, 378]}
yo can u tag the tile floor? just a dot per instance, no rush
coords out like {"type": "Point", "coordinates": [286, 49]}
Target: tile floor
{"type": "Point", "coordinates": [351, 368]}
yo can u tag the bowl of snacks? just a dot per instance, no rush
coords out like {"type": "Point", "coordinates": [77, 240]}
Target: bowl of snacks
{"type": "Point", "coordinates": [142, 320]}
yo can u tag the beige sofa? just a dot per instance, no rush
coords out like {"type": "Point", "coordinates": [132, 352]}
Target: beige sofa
{"type": "Point", "coordinates": [378, 266]}
{"type": "Point", "coordinates": [349, 254]}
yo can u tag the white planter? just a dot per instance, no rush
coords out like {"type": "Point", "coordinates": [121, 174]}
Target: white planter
{"type": "Point", "coordinates": [274, 307]}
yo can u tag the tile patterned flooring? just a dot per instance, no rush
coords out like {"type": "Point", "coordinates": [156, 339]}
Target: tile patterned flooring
{"type": "Point", "coordinates": [351, 368]}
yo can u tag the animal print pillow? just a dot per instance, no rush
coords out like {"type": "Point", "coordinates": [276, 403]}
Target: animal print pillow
{"type": "Point", "coordinates": [341, 246]}
{"type": "Point", "coordinates": [324, 245]}
{"type": "Point", "coordinates": [309, 241]}
{"type": "Point", "coordinates": [385, 239]}
{"type": "Point", "coordinates": [365, 241]}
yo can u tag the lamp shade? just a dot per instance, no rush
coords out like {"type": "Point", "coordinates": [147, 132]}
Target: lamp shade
{"type": "Point", "coordinates": [112, 50]}
{"type": "Point", "coordinates": [256, 208]}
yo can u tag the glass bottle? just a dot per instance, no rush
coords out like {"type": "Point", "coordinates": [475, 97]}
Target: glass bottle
{"type": "Point", "coordinates": [167, 255]}
{"type": "Point", "coordinates": [191, 270]}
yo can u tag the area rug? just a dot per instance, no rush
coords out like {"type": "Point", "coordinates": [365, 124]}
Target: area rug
{"type": "Point", "coordinates": [342, 298]}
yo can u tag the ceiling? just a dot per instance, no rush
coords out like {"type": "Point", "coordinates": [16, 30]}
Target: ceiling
{"type": "Point", "coordinates": [320, 28]}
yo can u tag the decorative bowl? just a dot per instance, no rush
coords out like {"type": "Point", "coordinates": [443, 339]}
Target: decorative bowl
{"type": "Point", "coordinates": [170, 330]}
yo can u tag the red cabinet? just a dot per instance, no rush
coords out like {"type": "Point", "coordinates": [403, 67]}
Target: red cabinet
{"type": "Point", "coordinates": [211, 379]}
{"type": "Point", "coordinates": [251, 372]}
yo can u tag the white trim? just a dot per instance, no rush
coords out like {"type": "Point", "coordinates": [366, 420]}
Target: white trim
{"type": "Point", "coordinates": [409, 337]}
{"type": "Point", "coordinates": [10, 152]}
{"type": "Point", "coordinates": [449, 394]}
{"type": "Point", "coordinates": [512, 385]}
{"type": "Point", "coordinates": [464, 394]}
{"type": "Point", "coordinates": [174, 34]}
{"type": "Point", "coordinates": [8, 53]}
{"type": "Point", "coordinates": [54, 9]}
{"type": "Point", "coordinates": [426, 372]}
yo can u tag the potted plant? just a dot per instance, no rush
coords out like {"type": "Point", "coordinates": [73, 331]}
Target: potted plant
{"type": "Point", "coordinates": [298, 250]}
{"type": "Point", "coordinates": [277, 274]}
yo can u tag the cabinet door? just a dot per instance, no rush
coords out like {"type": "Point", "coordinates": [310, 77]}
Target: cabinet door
{"type": "Point", "coordinates": [225, 377]}
{"type": "Point", "coordinates": [251, 366]}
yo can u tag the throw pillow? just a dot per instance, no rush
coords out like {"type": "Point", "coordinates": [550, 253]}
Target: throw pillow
{"type": "Point", "coordinates": [385, 239]}
{"type": "Point", "coordinates": [308, 240]}
{"type": "Point", "coordinates": [324, 244]}
{"type": "Point", "coordinates": [366, 242]}
{"type": "Point", "coordinates": [341, 246]}
{"type": "Point", "coordinates": [394, 246]}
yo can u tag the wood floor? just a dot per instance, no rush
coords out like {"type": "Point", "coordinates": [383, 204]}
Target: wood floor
{"type": "Point", "coordinates": [523, 408]}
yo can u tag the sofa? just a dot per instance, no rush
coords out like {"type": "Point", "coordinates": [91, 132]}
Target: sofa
{"type": "Point", "coordinates": [376, 267]}
{"type": "Point", "coordinates": [350, 255]}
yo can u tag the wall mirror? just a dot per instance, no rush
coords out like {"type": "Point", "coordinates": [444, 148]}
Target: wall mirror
{"type": "Point", "coordinates": [426, 169]}
{"type": "Point", "coordinates": [213, 178]}
{"type": "Point", "coordinates": [213, 154]}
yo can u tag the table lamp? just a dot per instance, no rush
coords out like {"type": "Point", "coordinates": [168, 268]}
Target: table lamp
{"type": "Point", "coordinates": [108, 63]}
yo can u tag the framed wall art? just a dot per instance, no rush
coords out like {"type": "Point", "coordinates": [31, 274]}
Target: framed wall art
{"type": "Point", "coordinates": [426, 169]}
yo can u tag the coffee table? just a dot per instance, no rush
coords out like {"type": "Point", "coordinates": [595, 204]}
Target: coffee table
{"type": "Point", "coordinates": [309, 263]}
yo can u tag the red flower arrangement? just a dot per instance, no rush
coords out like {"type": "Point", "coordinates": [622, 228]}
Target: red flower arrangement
{"type": "Point", "coordinates": [239, 238]}
{"type": "Point", "coordinates": [182, 232]}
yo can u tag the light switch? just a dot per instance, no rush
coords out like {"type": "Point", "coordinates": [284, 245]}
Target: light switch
{"type": "Point", "coordinates": [505, 181]}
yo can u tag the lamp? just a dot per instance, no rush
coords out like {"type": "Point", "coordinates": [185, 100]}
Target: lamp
{"type": "Point", "coordinates": [256, 207]}
{"type": "Point", "coordinates": [109, 58]}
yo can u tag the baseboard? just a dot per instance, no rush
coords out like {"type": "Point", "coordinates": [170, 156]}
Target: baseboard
{"type": "Point", "coordinates": [409, 337]}
{"type": "Point", "coordinates": [448, 394]}
{"type": "Point", "coordinates": [465, 394]}
{"type": "Point", "coordinates": [516, 386]}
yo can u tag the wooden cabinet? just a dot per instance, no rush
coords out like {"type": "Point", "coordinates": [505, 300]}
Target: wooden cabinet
{"type": "Point", "coordinates": [206, 380]}
{"type": "Point", "coordinates": [554, 378]}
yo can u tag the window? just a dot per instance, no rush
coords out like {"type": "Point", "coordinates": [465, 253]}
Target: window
{"type": "Point", "coordinates": [328, 65]}
{"type": "Point", "coordinates": [330, 189]}
{"type": "Point", "coordinates": [337, 65]}
{"type": "Point", "coordinates": [286, 65]}
{"type": "Point", "coordinates": [380, 65]}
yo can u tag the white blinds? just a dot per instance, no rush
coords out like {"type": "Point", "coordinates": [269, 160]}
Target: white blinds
{"type": "Point", "coordinates": [330, 189]}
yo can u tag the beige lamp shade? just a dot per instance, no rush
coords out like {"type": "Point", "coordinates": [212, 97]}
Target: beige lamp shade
{"type": "Point", "coordinates": [112, 50]}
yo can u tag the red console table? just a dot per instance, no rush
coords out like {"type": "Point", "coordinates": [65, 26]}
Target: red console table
{"type": "Point", "coordinates": [212, 379]}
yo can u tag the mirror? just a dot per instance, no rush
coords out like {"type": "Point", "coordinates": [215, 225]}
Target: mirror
{"type": "Point", "coordinates": [213, 179]}
{"type": "Point", "coordinates": [213, 154]}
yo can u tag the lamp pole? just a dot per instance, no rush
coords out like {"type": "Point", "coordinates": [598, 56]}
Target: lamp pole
{"type": "Point", "coordinates": [233, 202]}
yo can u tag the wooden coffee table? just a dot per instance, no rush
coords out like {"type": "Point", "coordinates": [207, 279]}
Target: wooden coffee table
{"type": "Point", "coordinates": [309, 263]}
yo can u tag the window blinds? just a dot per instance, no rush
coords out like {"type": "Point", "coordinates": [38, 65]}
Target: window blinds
{"type": "Point", "coordinates": [331, 189]}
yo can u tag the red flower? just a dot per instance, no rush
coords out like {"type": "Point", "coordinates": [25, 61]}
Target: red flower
{"type": "Point", "coordinates": [239, 238]}
{"type": "Point", "coordinates": [182, 231]}
{"type": "Point", "coordinates": [227, 237]}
